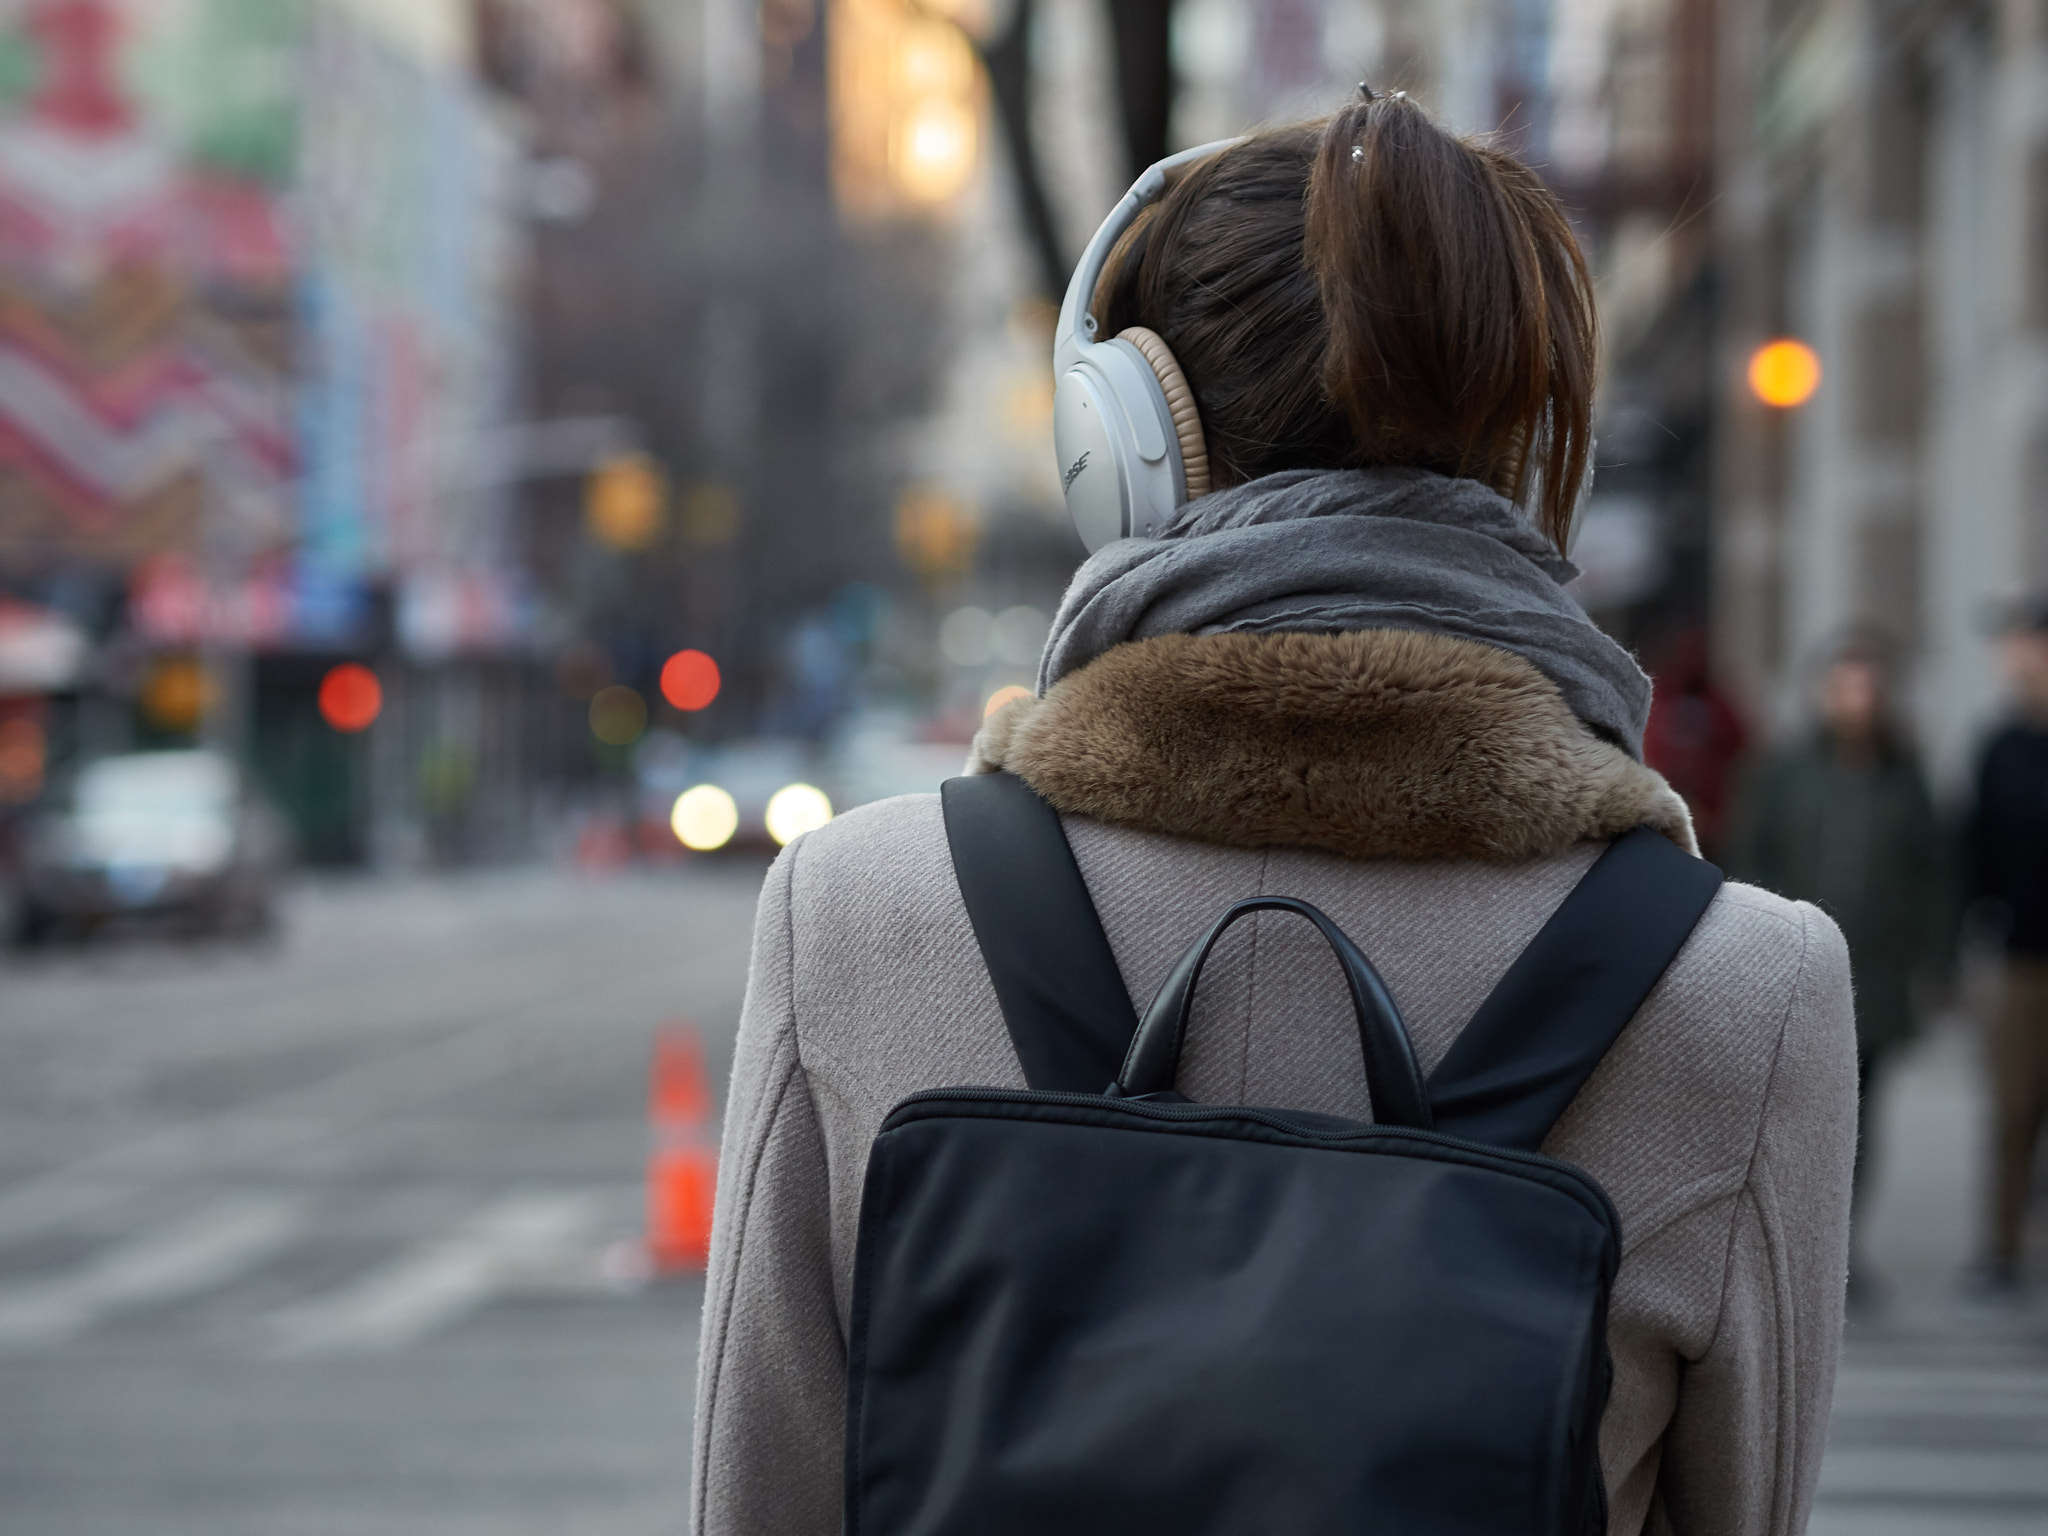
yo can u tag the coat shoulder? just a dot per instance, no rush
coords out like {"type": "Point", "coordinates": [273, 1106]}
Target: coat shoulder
{"type": "Point", "coordinates": [1754, 950]}
{"type": "Point", "coordinates": [905, 826]}
{"type": "Point", "coordinates": [890, 993]}
{"type": "Point", "coordinates": [880, 864]}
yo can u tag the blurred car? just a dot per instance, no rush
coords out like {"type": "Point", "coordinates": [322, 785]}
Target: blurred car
{"type": "Point", "coordinates": [755, 794]}
{"type": "Point", "coordinates": [150, 834]}
{"type": "Point", "coordinates": [879, 754]}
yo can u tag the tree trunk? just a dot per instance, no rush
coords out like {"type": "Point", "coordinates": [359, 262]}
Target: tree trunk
{"type": "Point", "coordinates": [1144, 76]}
{"type": "Point", "coordinates": [1008, 61]}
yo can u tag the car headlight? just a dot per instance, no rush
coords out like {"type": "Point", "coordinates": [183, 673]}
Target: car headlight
{"type": "Point", "coordinates": [704, 818]}
{"type": "Point", "coordinates": [796, 809]}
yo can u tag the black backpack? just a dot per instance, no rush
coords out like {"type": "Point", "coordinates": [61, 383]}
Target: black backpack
{"type": "Point", "coordinates": [1091, 1306]}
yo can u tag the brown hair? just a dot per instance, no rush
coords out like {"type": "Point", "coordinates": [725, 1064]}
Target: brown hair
{"type": "Point", "coordinates": [1371, 289]}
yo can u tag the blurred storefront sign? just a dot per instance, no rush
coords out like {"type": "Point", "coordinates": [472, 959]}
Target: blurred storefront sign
{"type": "Point", "coordinates": [144, 271]}
{"type": "Point", "coordinates": [442, 614]}
{"type": "Point", "coordinates": [280, 604]}
{"type": "Point", "coordinates": [411, 186]}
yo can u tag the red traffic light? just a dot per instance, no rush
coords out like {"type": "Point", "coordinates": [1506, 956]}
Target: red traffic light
{"type": "Point", "coordinates": [351, 698]}
{"type": "Point", "coordinates": [689, 680]}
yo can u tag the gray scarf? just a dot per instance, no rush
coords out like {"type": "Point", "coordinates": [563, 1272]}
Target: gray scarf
{"type": "Point", "coordinates": [1326, 551]}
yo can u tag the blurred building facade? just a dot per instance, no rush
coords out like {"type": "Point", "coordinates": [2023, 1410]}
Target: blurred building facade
{"type": "Point", "coordinates": [1885, 169]}
{"type": "Point", "coordinates": [260, 265]}
{"type": "Point", "coordinates": [756, 339]}
{"type": "Point", "coordinates": [510, 346]}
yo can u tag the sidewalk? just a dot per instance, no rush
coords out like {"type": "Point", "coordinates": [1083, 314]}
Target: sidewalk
{"type": "Point", "coordinates": [1941, 1414]}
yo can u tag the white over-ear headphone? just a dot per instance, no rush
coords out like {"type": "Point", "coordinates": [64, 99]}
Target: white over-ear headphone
{"type": "Point", "coordinates": [1123, 418]}
{"type": "Point", "coordinates": [1124, 422]}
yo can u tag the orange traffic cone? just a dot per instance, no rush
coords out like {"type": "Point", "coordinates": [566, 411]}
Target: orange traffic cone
{"type": "Point", "coordinates": [682, 1171]}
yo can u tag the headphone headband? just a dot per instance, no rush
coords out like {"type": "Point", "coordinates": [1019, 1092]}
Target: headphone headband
{"type": "Point", "coordinates": [1077, 324]}
{"type": "Point", "coordinates": [1123, 452]}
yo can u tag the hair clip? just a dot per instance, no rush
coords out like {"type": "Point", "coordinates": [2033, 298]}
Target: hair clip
{"type": "Point", "coordinates": [1366, 91]}
{"type": "Point", "coordinates": [1400, 95]}
{"type": "Point", "coordinates": [1358, 154]}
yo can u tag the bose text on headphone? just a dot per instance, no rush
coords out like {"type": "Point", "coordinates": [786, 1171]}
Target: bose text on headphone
{"type": "Point", "coordinates": [1123, 418]}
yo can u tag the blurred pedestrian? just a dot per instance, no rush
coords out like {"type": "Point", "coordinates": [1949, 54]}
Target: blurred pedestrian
{"type": "Point", "coordinates": [1842, 817]}
{"type": "Point", "coordinates": [1695, 738]}
{"type": "Point", "coordinates": [2007, 845]}
{"type": "Point", "coordinates": [1325, 649]}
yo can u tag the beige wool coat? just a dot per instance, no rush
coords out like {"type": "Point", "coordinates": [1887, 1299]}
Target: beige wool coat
{"type": "Point", "coordinates": [1436, 798]}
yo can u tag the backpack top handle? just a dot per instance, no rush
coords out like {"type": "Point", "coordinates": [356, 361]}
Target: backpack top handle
{"type": "Point", "coordinates": [1391, 1075]}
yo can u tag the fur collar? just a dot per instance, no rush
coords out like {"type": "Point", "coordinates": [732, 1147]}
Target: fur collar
{"type": "Point", "coordinates": [1374, 744]}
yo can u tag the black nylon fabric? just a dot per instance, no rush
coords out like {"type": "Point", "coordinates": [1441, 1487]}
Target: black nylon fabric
{"type": "Point", "coordinates": [1527, 1052]}
{"type": "Point", "coordinates": [1100, 1318]}
{"type": "Point", "coordinates": [1062, 996]}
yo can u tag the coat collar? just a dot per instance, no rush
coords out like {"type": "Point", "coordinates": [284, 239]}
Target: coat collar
{"type": "Point", "coordinates": [1374, 744]}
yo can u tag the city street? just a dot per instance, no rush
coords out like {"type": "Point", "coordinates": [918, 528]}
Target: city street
{"type": "Point", "coordinates": [1941, 1412]}
{"type": "Point", "coordinates": [312, 1240]}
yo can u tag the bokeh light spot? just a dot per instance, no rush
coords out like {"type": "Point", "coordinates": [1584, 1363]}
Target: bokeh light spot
{"type": "Point", "coordinates": [1784, 373]}
{"type": "Point", "coordinates": [618, 715]}
{"type": "Point", "coordinates": [704, 818]}
{"type": "Point", "coordinates": [935, 154]}
{"type": "Point", "coordinates": [1003, 696]}
{"type": "Point", "coordinates": [796, 809]}
{"type": "Point", "coordinates": [935, 534]}
{"type": "Point", "coordinates": [966, 637]}
{"type": "Point", "coordinates": [351, 698]}
{"type": "Point", "coordinates": [177, 694]}
{"type": "Point", "coordinates": [626, 502]}
{"type": "Point", "coordinates": [690, 680]}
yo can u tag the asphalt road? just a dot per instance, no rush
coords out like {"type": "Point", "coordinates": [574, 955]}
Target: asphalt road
{"type": "Point", "coordinates": [1941, 1412]}
{"type": "Point", "coordinates": [312, 1240]}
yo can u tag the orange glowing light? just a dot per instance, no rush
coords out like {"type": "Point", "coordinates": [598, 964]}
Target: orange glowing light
{"type": "Point", "coordinates": [690, 680]}
{"type": "Point", "coordinates": [935, 534]}
{"type": "Point", "coordinates": [906, 97]}
{"type": "Point", "coordinates": [23, 749]}
{"type": "Point", "coordinates": [1784, 373]}
{"type": "Point", "coordinates": [626, 502]}
{"type": "Point", "coordinates": [1003, 696]}
{"type": "Point", "coordinates": [351, 698]}
{"type": "Point", "coordinates": [177, 694]}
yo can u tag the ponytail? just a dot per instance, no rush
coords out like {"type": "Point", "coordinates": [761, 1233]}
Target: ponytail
{"type": "Point", "coordinates": [1460, 313]}
{"type": "Point", "coordinates": [1371, 289]}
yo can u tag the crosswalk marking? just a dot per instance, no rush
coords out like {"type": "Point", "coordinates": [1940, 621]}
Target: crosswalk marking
{"type": "Point", "coordinates": [2004, 1390]}
{"type": "Point", "coordinates": [1962, 1476]}
{"type": "Point", "coordinates": [1918, 1449]}
{"type": "Point", "coordinates": [437, 1282]}
{"type": "Point", "coordinates": [182, 1258]}
{"type": "Point", "coordinates": [1916, 1520]}
{"type": "Point", "coordinates": [517, 1037]}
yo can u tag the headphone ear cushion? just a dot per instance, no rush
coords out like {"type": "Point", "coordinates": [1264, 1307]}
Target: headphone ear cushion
{"type": "Point", "coordinates": [1180, 405]}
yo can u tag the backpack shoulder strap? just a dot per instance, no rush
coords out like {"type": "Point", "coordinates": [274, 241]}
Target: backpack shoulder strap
{"type": "Point", "coordinates": [1061, 993]}
{"type": "Point", "coordinates": [1531, 1046]}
